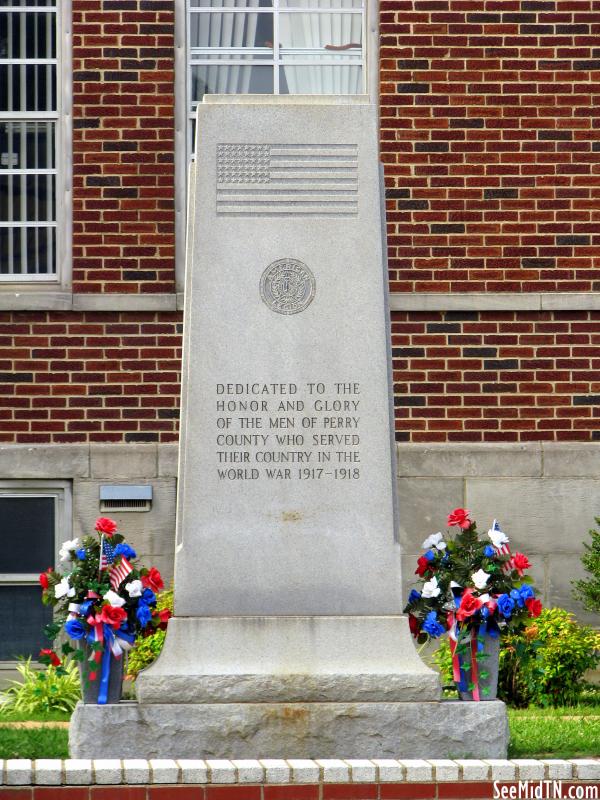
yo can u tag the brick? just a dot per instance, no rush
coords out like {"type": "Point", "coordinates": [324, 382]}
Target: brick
{"type": "Point", "coordinates": [471, 789]}
{"type": "Point", "coordinates": [408, 791]}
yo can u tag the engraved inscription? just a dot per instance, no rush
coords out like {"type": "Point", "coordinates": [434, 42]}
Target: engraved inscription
{"type": "Point", "coordinates": [288, 179]}
{"type": "Point", "coordinates": [287, 286]}
{"type": "Point", "coordinates": [289, 431]}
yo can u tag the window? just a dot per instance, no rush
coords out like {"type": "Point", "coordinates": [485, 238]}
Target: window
{"type": "Point", "coordinates": [275, 47]}
{"type": "Point", "coordinates": [37, 518]}
{"type": "Point", "coordinates": [28, 140]}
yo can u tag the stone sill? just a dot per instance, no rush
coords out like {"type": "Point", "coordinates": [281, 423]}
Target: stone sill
{"type": "Point", "coordinates": [426, 773]}
{"type": "Point", "coordinates": [31, 300]}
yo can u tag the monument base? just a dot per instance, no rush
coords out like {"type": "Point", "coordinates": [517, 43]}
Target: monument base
{"type": "Point", "coordinates": [294, 659]}
{"type": "Point", "coordinates": [445, 729]}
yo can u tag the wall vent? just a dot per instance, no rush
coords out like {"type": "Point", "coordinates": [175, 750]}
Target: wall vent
{"type": "Point", "coordinates": [125, 498]}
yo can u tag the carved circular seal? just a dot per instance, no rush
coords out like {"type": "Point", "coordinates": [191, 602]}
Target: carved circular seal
{"type": "Point", "coordinates": [287, 286]}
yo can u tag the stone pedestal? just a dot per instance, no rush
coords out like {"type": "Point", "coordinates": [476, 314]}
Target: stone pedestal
{"type": "Point", "coordinates": [448, 729]}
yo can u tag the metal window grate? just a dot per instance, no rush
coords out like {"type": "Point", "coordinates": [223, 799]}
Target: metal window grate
{"type": "Point", "coordinates": [28, 120]}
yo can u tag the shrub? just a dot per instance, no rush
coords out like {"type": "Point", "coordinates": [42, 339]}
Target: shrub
{"type": "Point", "coordinates": [146, 650]}
{"type": "Point", "coordinates": [53, 689]}
{"type": "Point", "coordinates": [587, 590]}
{"type": "Point", "coordinates": [543, 664]}
{"type": "Point", "coordinates": [566, 651]}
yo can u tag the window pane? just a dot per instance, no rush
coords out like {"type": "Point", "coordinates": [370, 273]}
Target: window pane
{"type": "Point", "coordinates": [27, 34]}
{"type": "Point", "coordinates": [27, 87]}
{"type": "Point", "coordinates": [29, 521]}
{"type": "Point", "coordinates": [320, 79]}
{"type": "Point", "coordinates": [26, 198]}
{"type": "Point", "coordinates": [230, 4]}
{"type": "Point", "coordinates": [320, 4]}
{"type": "Point", "coordinates": [27, 250]}
{"type": "Point", "coordinates": [27, 145]}
{"type": "Point", "coordinates": [223, 29]}
{"type": "Point", "coordinates": [23, 3]}
{"type": "Point", "coordinates": [331, 33]}
{"type": "Point", "coordinates": [23, 621]}
{"type": "Point", "coordinates": [208, 79]}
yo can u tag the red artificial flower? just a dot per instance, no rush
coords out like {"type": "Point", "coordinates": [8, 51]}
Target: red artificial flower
{"type": "Point", "coordinates": [113, 615]}
{"type": "Point", "coordinates": [520, 562]}
{"type": "Point", "coordinates": [44, 581]}
{"type": "Point", "coordinates": [164, 615]}
{"type": "Point", "coordinates": [422, 566]}
{"type": "Point", "coordinates": [54, 659]}
{"type": "Point", "coordinates": [413, 623]}
{"type": "Point", "coordinates": [534, 606]}
{"type": "Point", "coordinates": [460, 517]}
{"type": "Point", "coordinates": [106, 526]}
{"type": "Point", "coordinates": [152, 580]}
{"type": "Point", "coordinates": [469, 604]}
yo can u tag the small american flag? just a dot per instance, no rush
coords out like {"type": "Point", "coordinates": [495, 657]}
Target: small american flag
{"type": "Point", "coordinates": [504, 549]}
{"type": "Point", "coordinates": [116, 572]}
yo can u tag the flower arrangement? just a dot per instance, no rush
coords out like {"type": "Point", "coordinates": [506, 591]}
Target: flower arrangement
{"type": "Point", "coordinates": [103, 598]}
{"type": "Point", "coordinates": [470, 588]}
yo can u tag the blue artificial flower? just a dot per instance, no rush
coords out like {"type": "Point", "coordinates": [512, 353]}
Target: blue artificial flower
{"type": "Point", "coordinates": [506, 605]}
{"type": "Point", "coordinates": [148, 597]}
{"type": "Point", "coordinates": [75, 628]}
{"type": "Point", "coordinates": [414, 596]}
{"type": "Point", "coordinates": [446, 558]}
{"type": "Point", "coordinates": [489, 551]}
{"type": "Point", "coordinates": [526, 592]}
{"type": "Point", "coordinates": [484, 611]}
{"type": "Point", "coordinates": [516, 596]}
{"type": "Point", "coordinates": [80, 554]}
{"type": "Point", "coordinates": [125, 550]}
{"type": "Point", "coordinates": [432, 626]}
{"type": "Point", "coordinates": [430, 555]}
{"type": "Point", "coordinates": [84, 608]}
{"type": "Point", "coordinates": [143, 614]}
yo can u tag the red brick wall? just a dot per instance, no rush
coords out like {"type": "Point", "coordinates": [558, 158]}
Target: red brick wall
{"type": "Point", "coordinates": [123, 146]}
{"type": "Point", "coordinates": [458, 376]}
{"type": "Point", "coordinates": [93, 377]}
{"type": "Point", "coordinates": [491, 143]}
{"type": "Point", "coordinates": [496, 376]}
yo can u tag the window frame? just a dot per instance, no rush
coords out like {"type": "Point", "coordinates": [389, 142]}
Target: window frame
{"type": "Point", "coordinates": [62, 493]}
{"type": "Point", "coordinates": [61, 280]}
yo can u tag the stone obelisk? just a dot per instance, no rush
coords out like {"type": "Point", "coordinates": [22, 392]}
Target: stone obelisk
{"type": "Point", "coordinates": [288, 638]}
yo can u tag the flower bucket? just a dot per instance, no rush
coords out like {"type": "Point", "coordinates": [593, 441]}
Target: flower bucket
{"type": "Point", "coordinates": [486, 672]}
{"type": "Point", "coordinates": [91, 690]}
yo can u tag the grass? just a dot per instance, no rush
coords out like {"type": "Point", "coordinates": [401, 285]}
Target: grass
{"type": "Point", "coordinates": [34, 743]}
{"type": "Point", "coordinates": [554, 732]}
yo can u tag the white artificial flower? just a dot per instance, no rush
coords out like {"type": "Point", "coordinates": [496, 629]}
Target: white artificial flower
{"type": "Point", "coordinates": [485, 598]}
{"type": "Point", "coordinates": [480, 578]}
{"type": "Point", "coordinates": [66, 547]}
{"type": "Point", "coordinates": [455, 585]}
{"type": "Point", "coordinates": [114, 599]}
{"type": "Point", "coordinates": [431, 588]}
{"type": "Point", "coordinates": [498, 538]}
{"type": "Point", "coordinates": [435, 540]}
{"type": "Point", "coordinates": [63, 588]}
{"type": "Point", "coordinates": [74, 608]}
{"type": "Point", "coordinates": [135, 588]}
